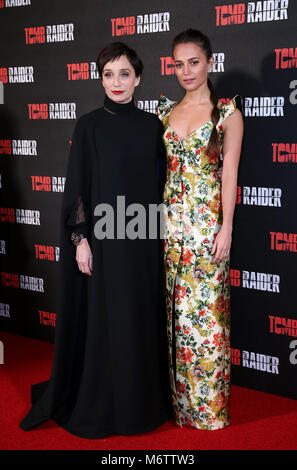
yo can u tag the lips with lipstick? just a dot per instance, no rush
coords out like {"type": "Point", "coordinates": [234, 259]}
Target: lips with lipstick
{"type": "Point", "coordinates": [117, 92]}
{"type": "Point", "coordinates": [188, 80]}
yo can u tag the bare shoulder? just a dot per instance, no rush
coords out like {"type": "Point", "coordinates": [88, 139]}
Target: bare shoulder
{"type": "Point", "coordinates": [220, 104]}
{"type": "Point", "coordinates": [233, 124]}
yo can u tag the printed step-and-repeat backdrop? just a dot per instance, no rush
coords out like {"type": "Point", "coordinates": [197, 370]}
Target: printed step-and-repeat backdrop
{"type": "Point", "coordinates": [48, 79]}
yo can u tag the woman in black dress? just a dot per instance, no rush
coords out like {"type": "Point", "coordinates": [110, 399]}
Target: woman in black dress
{"type": "Point", "coordinates": [109, 373]}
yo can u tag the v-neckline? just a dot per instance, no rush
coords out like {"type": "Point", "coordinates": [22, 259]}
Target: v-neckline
{"type": "Point", "coordinates": [192, 132]}
{"type": "Point", "coordinates": [195, 130]}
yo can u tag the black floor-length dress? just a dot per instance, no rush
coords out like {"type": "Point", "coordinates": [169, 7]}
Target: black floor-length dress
{"type": "Point", "coordinates": [110, 370]}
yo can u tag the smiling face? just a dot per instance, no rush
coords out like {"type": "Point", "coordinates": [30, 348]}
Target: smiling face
{"type": "Point", "coordinates": [119, 80]}
{"type": "Point", "coordinates": [191, 65]}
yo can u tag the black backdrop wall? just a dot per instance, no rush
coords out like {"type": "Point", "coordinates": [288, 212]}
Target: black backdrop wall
{"type": "Point", "coordinates": [47, 67]}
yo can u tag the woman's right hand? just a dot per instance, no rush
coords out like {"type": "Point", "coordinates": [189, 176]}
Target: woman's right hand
{"type": "Point", "coordinates": [84, 257]}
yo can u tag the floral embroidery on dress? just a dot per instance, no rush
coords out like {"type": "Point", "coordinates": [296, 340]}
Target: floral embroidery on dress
{"type": "Point", "coordinates": [197, 292]}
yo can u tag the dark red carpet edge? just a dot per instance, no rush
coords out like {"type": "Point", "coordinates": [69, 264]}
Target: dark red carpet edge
{"type": "Point", "coordinates": [260, 421]}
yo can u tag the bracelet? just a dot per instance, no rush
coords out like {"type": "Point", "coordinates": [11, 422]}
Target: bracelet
{"type": "Point", "coordinates": [77, 237]}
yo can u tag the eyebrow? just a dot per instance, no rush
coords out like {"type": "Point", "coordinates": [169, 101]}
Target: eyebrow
{"type": "Point", "coordinates": [178, 60]}
{"type": "Point", "coordinates": [110, 70]}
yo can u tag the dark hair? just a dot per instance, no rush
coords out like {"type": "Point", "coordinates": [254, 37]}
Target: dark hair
{"type": "Point", "coordinates": [113, 51]}
{"type": "Point", "coordinates": [197, 37]}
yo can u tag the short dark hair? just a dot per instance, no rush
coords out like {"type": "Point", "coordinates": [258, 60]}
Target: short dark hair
{"type": "Point", "coordinates": [113, 51]}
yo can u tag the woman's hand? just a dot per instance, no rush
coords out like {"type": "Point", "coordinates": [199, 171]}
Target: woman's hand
{"type": "Point", "coordinates": [84, 257]}
{"type": "Point", "coordinates": [222, 244]}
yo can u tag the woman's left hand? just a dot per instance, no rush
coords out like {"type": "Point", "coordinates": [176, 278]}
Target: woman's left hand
{"type": "Point", "coordinates": [222, 244]}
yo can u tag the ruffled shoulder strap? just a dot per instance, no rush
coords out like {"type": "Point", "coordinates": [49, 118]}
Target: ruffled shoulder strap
{"type": "Point", "coordinates": [164, 106]}
{"type": "Point", "coordinates": [228, 108]}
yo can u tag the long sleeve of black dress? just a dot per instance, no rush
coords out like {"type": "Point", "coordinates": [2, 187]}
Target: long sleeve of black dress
{"type": "Point", "coordinates": [162, 160]}
{"type": "Point", "coordinates": [76, 203]}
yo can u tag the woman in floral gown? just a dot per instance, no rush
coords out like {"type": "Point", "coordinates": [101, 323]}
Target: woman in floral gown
{"type": "Point", "coordinates": [200, 131]}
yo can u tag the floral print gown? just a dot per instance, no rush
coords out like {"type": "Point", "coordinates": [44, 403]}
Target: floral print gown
{"type": "Point", "coordinates": [197, 292]}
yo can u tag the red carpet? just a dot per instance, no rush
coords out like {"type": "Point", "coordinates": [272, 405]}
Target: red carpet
{"type": "Point", "coordinates": [260, 421]}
